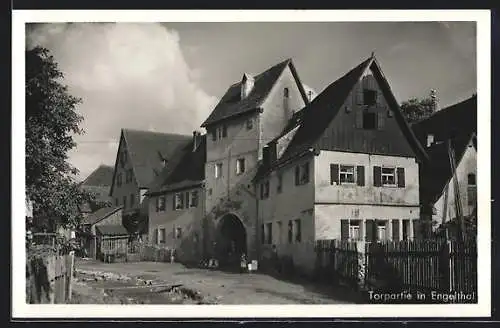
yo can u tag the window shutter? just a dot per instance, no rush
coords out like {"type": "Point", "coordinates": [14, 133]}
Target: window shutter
{"type": "Point", "coordinates": [380, 120]}
{"type": "Point", "coordinates": [344, 229]}
{"type": "Point", "coordinates": [401, 177]}
{"type": "Point", "coordinates": [361, 175]}
{"type": "Point", "coordinates": [395, 230]}
{"type": "Point", "coordinates": [377, 176]}
{"type": "Point", "coordinates": [370, 230]}
{"type": "Point", "coordinates": [359, 119]}
{"type": "Point", "coordinates": [334, 174]}
{"type": "Point", "coordinates": [297, 175]}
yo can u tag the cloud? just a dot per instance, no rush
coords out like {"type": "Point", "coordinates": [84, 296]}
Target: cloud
{"type": "Point", "coordinates": [128, 76]}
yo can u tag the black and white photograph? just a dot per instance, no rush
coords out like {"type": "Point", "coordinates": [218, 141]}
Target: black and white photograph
{"type": "Point", "coordinates": [267, 161]}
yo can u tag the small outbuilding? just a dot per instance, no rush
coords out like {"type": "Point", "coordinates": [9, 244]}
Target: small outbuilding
{"type": "Point", "coordinates": [112, 242]}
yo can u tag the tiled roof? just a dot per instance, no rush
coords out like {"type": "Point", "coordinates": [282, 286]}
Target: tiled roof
{"type": "Point", "coordinates": [231, 103]}
{"type": "Point", "coordinates": [100, 214]}
{"type": "Point", "coordinates": [187, 170]}
{"type": "Point", "coordinates": [457, 123]}
{"type": "Point", "coordinates": [146, 150]}
{"type": "Point", "coordinates": [102, 176]}
{"type": "Point", "coordinates": [112, 230]}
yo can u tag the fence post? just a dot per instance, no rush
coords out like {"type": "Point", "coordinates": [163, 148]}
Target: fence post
{"type": "Point", "coordinates": [362, 265]}
{"type": "Point", "coordinates": [71, 271]}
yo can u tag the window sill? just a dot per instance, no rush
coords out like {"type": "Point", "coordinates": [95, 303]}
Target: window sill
{"type": "Point", "coordinates": [389, 186]}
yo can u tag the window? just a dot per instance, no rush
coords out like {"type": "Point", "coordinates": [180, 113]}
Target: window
{"type": "Point", "coordinates": [388, 176]}
{"type": "Point", "coordinates": [178, 233]}
{"type": "Point", "coordinates": [249, 124]}
{"type": "Point", "coordinates": [302, 174]}
{"type": "Point", "coordinates": [285, 93]}
{"type": "Point", "coordinates": [369, 97]}
{"type": "Point", "coordinates": [354, 230]}
{"type": "Point", "coordinates": [119, 179]}
{"type": "Point", "coordinates": [369, 121]}
{"type": "Point", "coordinates": [346, 174]}
{"type": "Point", "coordinates": [290, 232]}
{"type": "Point", "coordinates": [471, 179]}
{"type": "Point", "coordinates": [262, 234]}
{"type": "Point", "coordinates": [240, 165]}
{"type": "Point", "coordinates": [116, 201]}
{"type": "Point", "coordinates": [279, 187]}
{"type": "Point", "coordinates": [123, 158]}
{"type": "Point", "coordinates": [298, 231]}
{"type": "Point", "coordinates": [194, 199]}
{"type": "Point", "coordinates": [264, 190]}
{"type": "Point", "coordinates": [179, 201]}
{"type": "Point", "coordinates": [381, 230]}
{"type": "Point", "coordinates": [219, 132]}
{"type": "Point", "coordinates": [218, 170]}
{"type": "Point", "coordinates": [124, 201]}
{"type": "Point", "coordinates": [188, 198]}
{"type": "Point", "coordinates": [160, 203]}
{"type": "Point", "coordinates": [161, 237]}
{"type": "Point", "coordinates": [132, 200]}
{"type": "Point", "coordinates": [214, 134]}
{"type": "Point", "coordinates": [269, 233]}
{"type": "Point", "coordinates": [224, 131]}
{"type": "Point", "coordinates": [406, 229]}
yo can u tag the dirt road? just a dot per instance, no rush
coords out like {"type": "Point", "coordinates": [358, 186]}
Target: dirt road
{"type": "Point", "coordinates": [147, 282]}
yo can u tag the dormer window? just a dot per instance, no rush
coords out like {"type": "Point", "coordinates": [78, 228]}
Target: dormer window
{"type": "Point", "coordinates": [369, 97]}
{"type": "Point", "coordinates": [247, 83]}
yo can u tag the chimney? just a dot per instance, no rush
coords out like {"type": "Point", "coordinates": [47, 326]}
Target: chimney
{"type": "Point", "coordinates": [246, 85]}
{"type": "Point", "coordinates": [435, 100]}
{"type": "Point", "coordinates": [430, 140]}
{"type": "Point", "coordinates": [196, 140]}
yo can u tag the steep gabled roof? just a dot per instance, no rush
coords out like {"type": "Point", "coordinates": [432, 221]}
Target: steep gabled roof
{"type": "Point", "coordinates": [457, 123]}
{"type": "Point", "coordinates": [187, 170]}
{"type": "Point", "coordinates": [101, 176]}
{"type": "Point", "coordinates": [146, 150]}
{"type": "Point", "coordinates": [317, 116]}
{"type": "Point", "coordinates": [231, 103]}
{"type": "Point", "coordinates": [101, 214]}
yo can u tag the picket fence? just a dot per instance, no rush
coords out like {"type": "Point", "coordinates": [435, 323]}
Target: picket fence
{"type": "Point", "coordinates": [440, 265]}
{"type": "Point", "coordinates": [49, 278]}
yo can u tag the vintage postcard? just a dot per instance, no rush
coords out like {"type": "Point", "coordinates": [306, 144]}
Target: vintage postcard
{"type": "Point", "coordinates": [218, 164]}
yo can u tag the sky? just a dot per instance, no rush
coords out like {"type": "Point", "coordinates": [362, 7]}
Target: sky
{"type": "Point", "coordinates": [167, 77]}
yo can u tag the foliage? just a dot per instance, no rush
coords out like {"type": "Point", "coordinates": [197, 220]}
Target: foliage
{"type": "Point", "coordinates": [51, 122]}
{"type": "Point", "coordinates": [416, 109]}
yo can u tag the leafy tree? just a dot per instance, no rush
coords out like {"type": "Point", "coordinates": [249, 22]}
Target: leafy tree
{"type": "Point", "coordinates": [51, 122]}
{"type": "Point", "coordinates": [416, 109]}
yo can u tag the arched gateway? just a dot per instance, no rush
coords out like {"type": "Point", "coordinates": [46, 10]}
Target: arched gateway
{"type": "Point", "coordinates": [231, 240]}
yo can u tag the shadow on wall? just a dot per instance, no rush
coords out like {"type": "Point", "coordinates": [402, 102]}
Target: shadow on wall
{"type": "Point", "coordinates": [38, 288]}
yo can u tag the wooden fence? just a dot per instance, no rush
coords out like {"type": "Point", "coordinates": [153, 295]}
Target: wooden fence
{"type": "Point", "coordinates": [49, 278]}
{"type": "Point", "coordinates": [440, 265]}
{"type": "Point", "coordinates": [144, 252]}
{"type": "Point", "coordinates": [338, 260]}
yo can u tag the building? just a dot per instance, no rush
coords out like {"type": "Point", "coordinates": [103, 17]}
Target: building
{"type": "Point", "coordinates": [99, 183]}
{"type": "Point", "coordinates": [345, 167]}
{"type": "Point", "coordinates": [449, 134]}
{"type": "Point", "coordinates": [252, 112]}
{"type": "Point", "coordinates": [176, 202]}
{"type": "Point", "coordinates": [106, 216]}
{"type": "Point", "coordinates": [140, 158]}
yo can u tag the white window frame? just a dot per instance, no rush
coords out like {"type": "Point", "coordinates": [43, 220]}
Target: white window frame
{"type": "Point", "coordinates": [343, 172]}
{"type": "Point", "coordinates": [240, 166]}
{"type": "Point", "coordinates": [160, 230]}
{"type": "Point", "coordinates": [218, 170]}
{"type": "Point", "coordinates": [179, 201]}
{"type": "Point", "coordinates": [161, 208]}
{"type": "Point", "coordinates": [191, 193]}
{"type": "Point", "coordinates": [354, 229]}
{"type": "Point", "coordinates": [394, 174]}
{"type": "Point", "coordinates": [382, 226]}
